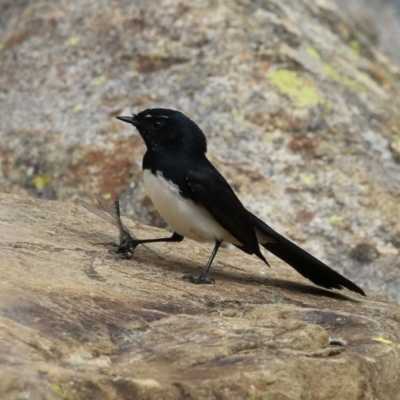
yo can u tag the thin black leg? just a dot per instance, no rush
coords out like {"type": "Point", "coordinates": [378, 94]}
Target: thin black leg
{"type": "Point", "coordinates": [203, 277]}
{"type": "Point", "coordinates": [174, 238]}
{"type": "Point", "coordinates": [129, 245]}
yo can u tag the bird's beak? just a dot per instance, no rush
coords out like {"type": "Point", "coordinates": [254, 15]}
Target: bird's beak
{"type": "Point", "coordinates": [129, 120]}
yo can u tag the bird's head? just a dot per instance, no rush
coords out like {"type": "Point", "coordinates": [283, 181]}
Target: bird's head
{"type": "Point", "coordinates": [168, 131]}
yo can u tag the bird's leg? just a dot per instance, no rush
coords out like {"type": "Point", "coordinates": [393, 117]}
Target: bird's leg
{"type": "Point", "coordinates": [131, 244]}
{"type": "Point", "coordinates": [203, 277]}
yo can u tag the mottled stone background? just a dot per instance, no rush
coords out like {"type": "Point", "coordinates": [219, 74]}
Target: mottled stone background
{"type": "Point", "coordinates": [299, 104]}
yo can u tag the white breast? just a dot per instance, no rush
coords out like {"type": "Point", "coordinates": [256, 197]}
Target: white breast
{"type": "Point", "coordinates": [183, 215]}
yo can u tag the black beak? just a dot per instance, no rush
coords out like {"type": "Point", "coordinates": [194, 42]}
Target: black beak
{"type": "Point", "coordinates": [129, 120]}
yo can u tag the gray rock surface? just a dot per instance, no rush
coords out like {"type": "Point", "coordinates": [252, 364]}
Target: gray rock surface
{"type": "Point", "coordinates": [380, 18]}
{"type": "Point", "coordinates": [300, 109]}
{"type": "Point", "coordinates": [78, 323]}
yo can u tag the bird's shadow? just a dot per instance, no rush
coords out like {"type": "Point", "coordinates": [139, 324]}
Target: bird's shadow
{"type": "Point", "coordinates": [177, 264]}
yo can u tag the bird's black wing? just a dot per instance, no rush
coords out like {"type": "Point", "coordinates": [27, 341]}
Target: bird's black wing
{"type": "Point", "coordinates": [304, 263]}
{"type": "Point", "coordinates": [212, 191]}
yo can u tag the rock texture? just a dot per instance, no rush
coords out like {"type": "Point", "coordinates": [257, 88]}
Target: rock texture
{"type": "Point", "coordinates": [301, 111]}
{"type": "Point", "coordinates": [380, 18]}
{"type": "Point", "coordinates": [78, 323]}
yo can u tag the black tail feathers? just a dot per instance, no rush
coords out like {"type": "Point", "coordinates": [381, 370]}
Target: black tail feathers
{"type": "Point", "coordinates": [303, 262]}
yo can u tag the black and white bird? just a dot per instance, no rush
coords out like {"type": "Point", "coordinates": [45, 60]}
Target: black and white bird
{"type": "Point", "coordinates": [197, 202]}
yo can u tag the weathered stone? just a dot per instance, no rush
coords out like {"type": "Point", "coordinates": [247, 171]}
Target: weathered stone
{"type": "Point", "coordinates": [300, 109]}
{"type": "Point", "coordinates": [78, 323]}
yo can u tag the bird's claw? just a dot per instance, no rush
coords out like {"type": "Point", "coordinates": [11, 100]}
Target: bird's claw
{"type": "Point", "coordinates": [127, 247]}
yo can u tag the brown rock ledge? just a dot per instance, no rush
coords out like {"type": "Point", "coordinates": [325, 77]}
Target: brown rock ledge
{"type": "Point", "coordinates": [78, 323]}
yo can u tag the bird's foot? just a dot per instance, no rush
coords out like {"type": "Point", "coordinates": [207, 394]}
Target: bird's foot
{"type": "Point", "coordinates": [124, 249]}
{"type": "Point", "coordinates": [127, 247]}
{"type": "Point", "coordinates": [198, 281]}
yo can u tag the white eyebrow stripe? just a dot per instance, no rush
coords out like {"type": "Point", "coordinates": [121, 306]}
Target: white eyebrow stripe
{"type": "Point", "coordinates": [158, 116]}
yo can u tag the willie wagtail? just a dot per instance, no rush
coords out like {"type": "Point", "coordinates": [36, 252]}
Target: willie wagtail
{"type": "Point", "coordinates": [197, 202]}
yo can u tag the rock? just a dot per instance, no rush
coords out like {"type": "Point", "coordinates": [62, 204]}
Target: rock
{"type": "Point", "coordinates": [300, 108]}
{"type": "Point", "coordinates": [379, 19]}
{"type": "Point", "coordinates": [78, 323]}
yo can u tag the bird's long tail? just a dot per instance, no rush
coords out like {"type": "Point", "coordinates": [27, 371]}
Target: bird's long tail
{"type": "Point", "coordinates": [303, 262]}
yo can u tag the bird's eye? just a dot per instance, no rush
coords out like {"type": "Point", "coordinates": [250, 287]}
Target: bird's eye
{"type": "Point", "coordinates": [156, 125]}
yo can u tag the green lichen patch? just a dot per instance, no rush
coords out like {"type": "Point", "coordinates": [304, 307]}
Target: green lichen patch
{"type": "Point", "coordinates": [302, 92]}
{"type": "Point", "coordinates": [334, 75]}
{"type": "Point", "coordinates": [355, 46]}
{"type": "Point", "coordinates": [313, 53]}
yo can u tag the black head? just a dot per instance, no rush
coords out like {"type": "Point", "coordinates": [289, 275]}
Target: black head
{"type": "Point", "coordinates": [168, 130]}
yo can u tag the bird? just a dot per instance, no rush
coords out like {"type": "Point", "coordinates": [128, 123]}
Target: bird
{"type": "Point", "coordinates": [197, 202]}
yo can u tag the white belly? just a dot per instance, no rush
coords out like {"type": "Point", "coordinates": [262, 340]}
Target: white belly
{"type": "Point", "coordinates": [183, 215]}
